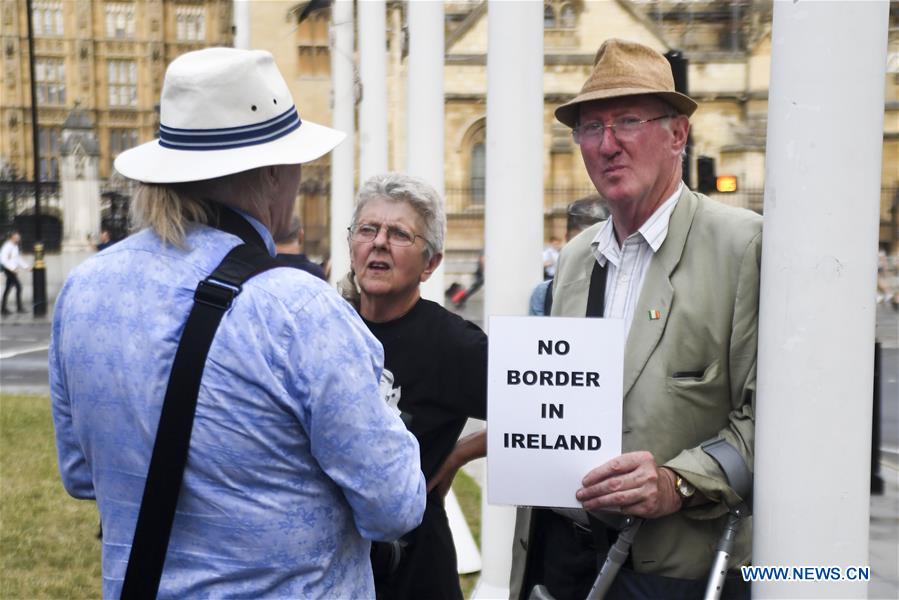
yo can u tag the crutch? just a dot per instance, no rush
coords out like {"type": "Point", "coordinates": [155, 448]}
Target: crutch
{"type": "Point", "coordinates": [725, 547]}
{"type": "Point", "coordinates": [740, 479]}
{"type": "Point", "coordinates": [615, 558]}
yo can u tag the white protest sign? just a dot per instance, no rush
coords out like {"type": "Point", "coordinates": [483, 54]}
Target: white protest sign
{"type": "Point", "coordinates": [554, 398]}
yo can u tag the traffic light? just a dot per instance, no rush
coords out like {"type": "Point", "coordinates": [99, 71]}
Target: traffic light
{"type": "Point", "coordinates": [705, 171]}
{"type": "Point", "coordinates": [678, 70]}
{"type": "Point", "coordinates": [726, 184]}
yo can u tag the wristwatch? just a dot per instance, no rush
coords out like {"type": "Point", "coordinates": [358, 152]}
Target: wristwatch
{"type": "Point", "coordinates": [684, 489]}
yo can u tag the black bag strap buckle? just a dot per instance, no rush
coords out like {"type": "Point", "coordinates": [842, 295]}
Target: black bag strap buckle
{"type": "Point", "coordinates": [216, 294]}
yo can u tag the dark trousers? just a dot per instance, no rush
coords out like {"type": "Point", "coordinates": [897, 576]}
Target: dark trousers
{"type": "Point", "coordinates": [566, 559]}
{"type": "Point", "coordinates": [428, 567]}
{"type": "Point", "coordinates": [12, 280]}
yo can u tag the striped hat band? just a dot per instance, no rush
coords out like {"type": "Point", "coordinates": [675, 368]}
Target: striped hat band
{"type": "Point", "coordinates": [230, 137]}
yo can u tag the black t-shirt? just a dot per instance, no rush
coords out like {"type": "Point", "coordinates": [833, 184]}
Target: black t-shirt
{"type": "Point", "coordinates": [439, 366]}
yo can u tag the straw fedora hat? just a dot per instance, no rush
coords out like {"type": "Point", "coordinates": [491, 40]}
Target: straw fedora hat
{"type": "Point", "coordinates": [224, 111]}
{"type": "Point", "coordinates": [623, 68]}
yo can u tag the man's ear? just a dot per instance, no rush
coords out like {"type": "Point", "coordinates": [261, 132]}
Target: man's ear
{"type": "Point", "coordinates": [680, 129]}
{"type": "Point", "coordinates": [433, 263]}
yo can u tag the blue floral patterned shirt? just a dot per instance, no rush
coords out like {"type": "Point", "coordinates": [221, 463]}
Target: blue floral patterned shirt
{"type": "Point", "coordinates": [295, 460]}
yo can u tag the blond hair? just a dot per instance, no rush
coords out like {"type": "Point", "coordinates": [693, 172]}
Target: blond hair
{"type": "Point", "coordinates": [168, 209]}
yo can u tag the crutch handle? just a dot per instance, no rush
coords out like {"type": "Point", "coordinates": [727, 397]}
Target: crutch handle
{"type": "Point", "coordinates": [614, 559]}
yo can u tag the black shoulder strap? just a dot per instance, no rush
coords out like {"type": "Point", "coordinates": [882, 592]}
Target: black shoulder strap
{"type": "Point", "coordinates": [548, 299]}
{"type": "Point", "coordinates": [596, 297]}
{"type": "Point", "coordinates": [596, 303]}
{"type": "Point", "coordinates": [213, 297]}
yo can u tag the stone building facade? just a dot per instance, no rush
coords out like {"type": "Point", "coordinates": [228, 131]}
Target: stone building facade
{"type": "Point", "coordinates": [109, 57]}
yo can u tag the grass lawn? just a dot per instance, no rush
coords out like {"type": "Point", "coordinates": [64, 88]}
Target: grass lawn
{"type": "Point", "coordinates": [468, 493]}
{"type": "Point", "coordinates": [48, 543]}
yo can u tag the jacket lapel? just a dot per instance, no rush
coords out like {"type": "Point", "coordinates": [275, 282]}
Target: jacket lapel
{"type": "Point", "coordinates": [657, 293]}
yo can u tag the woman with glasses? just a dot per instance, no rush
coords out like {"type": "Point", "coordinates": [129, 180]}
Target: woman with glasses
{"type": "Point", "coordinates": [435, 366]}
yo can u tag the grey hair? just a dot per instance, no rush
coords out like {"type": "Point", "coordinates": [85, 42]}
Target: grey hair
{"type": "Point", "coordinates": [424, 199]}
{"type": "Point", "coordinates": [170, 208]}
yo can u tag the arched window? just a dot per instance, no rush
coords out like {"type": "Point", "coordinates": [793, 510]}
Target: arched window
{"type": "Point", "coordinates": [567, 17]}
{"type": "Point", "coordinates": [549, 17]}
{"type": "Point", "coordinates": [478, 173]}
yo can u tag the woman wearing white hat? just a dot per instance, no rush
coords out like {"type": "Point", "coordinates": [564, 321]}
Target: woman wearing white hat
{"type": "Point", "coordinates": [294, 461]}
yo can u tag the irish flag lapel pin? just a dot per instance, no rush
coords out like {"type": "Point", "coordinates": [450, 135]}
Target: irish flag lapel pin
{"type": "Point", "coordinates": [654, 315]}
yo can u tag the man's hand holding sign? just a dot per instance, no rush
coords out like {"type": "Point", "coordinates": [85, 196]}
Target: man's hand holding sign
{"type": "Point", "coordinates": [634, 483]}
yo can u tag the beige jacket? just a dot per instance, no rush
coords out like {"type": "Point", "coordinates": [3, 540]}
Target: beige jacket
{"type": "Point", "coordinates": [705, 283]}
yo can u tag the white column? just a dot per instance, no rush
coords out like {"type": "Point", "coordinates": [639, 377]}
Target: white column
{"type": "Point", "coordinates": [80, 191]}
{"type": "Point", "coordinates": [241, 20]}
{"type": "Point", "coordinates": [513, 213]}
{"type": "Point", "coordinates": [424, 115]}
{"type": "Point", "coordinates": [373, 73]}
{"type": "Point", "coordinates": [396, 93]}
{"type": "Point", "coordinates": [343, 116]}
{"type": "Point", "coordinates": [816, 317]}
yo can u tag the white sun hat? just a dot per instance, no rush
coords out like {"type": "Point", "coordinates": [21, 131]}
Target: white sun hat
{"type": "Point", "coordinates": [224, 111]}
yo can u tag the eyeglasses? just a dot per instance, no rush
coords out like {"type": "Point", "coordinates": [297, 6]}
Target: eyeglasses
{"type": "Point", "coordinates": [624, 129]}
{"type": "Point", "coordinates": [396, 236]}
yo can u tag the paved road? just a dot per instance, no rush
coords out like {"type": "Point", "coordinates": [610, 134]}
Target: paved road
{"type": "Point", "coordinates": [23, 356]}
{"type": "Point", "coordinates": [889, 398]}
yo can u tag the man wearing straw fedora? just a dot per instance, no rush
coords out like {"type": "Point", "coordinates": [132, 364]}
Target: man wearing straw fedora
{"type": "Point", "coordinates": [682, 271]}
{"type": "Point", "coordinates": [294, 461]}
